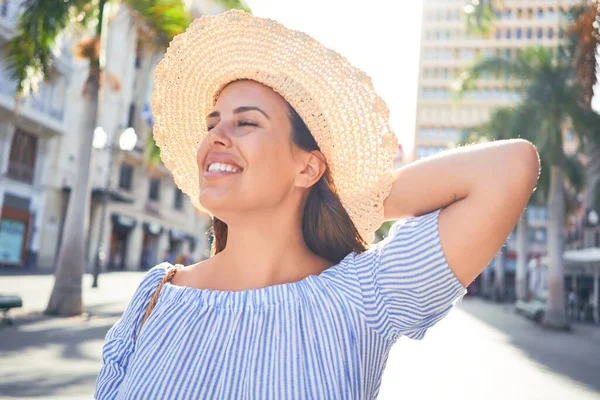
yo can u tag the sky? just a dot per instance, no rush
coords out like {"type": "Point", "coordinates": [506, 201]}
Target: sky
{"type": "Point", "coordinates": [381, 37]}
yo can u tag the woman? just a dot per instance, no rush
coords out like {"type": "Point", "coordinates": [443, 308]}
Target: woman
{"type": "Point", "coordinates": [288, 147]}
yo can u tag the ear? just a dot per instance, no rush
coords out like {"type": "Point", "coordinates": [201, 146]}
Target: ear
{"type": "Point", "coordinates": [314, 168]}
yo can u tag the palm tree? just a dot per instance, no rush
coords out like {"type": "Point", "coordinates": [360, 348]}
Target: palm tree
{"type": "Point", "coordinates": [503, 124]}
{"type": "Point", "coordinates": [30, 59]}
{"type": "Point", "coordinates": [551, 100]}
{"type": "Point", "coordinates": [584, 39]}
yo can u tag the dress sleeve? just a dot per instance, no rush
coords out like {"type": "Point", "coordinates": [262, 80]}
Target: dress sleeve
{"type": "Point", "coordinates": [119, 341]}
{"type": "Point", "coordinates": [406, 282]}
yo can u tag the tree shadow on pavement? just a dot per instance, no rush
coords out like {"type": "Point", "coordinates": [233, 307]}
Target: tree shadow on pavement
{"type": "Point", "coordinates": [37, 343]}
{"type": "Point", "coordinates": [575, 354]}
{"type": "Point", "coordinates": [45, 385]}
{"type": "Point", "coordinates": [37, 331]}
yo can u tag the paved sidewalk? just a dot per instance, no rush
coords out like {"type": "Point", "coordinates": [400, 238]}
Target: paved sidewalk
{"type": "Point", "coordinates": [58, 358]}
{"type": "Point", "coordinates": [480, 351]}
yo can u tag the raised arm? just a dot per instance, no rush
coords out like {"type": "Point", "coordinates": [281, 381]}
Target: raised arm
{"type": "Point", "coordinates": [483, 189]}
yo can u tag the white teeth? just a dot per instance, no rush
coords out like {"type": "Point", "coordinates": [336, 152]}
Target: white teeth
{"type": "Point", "coordinates": [221, 167]}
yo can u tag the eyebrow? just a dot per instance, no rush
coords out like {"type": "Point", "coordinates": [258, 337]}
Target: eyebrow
{"type": "Point", "coordinates": [239, 110]}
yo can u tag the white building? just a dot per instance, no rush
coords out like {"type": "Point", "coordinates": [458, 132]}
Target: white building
{"type": "Point", "coordinates": [146, 214]}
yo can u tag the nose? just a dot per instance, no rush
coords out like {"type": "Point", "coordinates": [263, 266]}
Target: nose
{"type": "Point", "coordinates": [219, 135]}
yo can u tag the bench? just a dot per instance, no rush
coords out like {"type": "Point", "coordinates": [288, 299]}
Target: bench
{"type": "Point", "coordinates": [7, 302]}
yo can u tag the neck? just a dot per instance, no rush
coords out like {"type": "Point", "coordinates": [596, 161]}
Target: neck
{"type": "Point", "coordinates": [268, 248]}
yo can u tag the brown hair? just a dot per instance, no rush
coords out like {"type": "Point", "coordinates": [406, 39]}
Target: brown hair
{"type": "Point", "coordinates": [326, 226]}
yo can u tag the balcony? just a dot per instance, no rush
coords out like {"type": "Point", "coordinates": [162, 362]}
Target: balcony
{"type": "Point", "coordinates": [42, 112]}
{"type": "Point", "coordinates": [20, 172]}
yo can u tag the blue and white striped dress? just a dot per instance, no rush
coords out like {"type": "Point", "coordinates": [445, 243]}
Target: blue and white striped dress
{"type": "Point", "coordinates": [325, 337]}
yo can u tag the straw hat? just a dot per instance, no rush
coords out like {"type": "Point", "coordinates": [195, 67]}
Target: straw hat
{"type": "Point", "coordinates": [336, 101]}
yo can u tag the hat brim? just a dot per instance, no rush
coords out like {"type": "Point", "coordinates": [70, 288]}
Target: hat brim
{"type": "Point", "coordinates": [337, 102]}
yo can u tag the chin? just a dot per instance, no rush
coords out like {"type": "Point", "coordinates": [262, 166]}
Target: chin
{"type": "Point", "coordinates": [217, 204]}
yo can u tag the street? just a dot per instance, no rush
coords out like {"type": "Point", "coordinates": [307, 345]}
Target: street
{"type": "Point", "coordinates": [480, 351]}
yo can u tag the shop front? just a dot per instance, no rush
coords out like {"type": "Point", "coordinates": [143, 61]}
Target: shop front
{"type": "Point", "coordinates": [14, 231]}
{"type": "Point", "coordinates": [119, 240]}
{"type": "Point", "coordinates": [176, 239]}
{"type": "Point", "coordinates": [150, 244]}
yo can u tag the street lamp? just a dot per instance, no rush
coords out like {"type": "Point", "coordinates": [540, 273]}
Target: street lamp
{"type": "Point", "coordinates": [127, 142]}
{"type": "Point", "coordinates": [593, 218]}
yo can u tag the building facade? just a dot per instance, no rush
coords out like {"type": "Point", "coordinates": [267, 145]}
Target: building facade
{"type": "Point", "coordinates": [447, 50]}
{"type": "Point", "coordinates": [146, 216]}
{"type": "Point", "coordinates": [30, 131]}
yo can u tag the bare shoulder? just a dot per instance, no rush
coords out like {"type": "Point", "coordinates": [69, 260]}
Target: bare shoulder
{"type": "Point", "coordinates": [189, 275]}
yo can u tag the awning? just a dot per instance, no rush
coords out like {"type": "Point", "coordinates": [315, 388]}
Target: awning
{"type": "Point", "coordinates": [123, 222]}
{"type": "Point", "coordinates": [587, 255]}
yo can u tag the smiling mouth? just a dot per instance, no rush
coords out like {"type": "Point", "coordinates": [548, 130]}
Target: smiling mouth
{"type": "Point", "coordinates": [222, 167]}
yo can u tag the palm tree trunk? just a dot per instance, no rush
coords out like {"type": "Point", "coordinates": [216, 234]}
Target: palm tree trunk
{"type": "Point", "coordinates": [555, 315]}
{"type": "Point", "coordinates": [66, 297]}
{"type": "Point", "coordinates": [521, 272]}
{"type": "Point", "coordinates": [592, 172]}
{"type": "Point", "coordinates": [499, 276]}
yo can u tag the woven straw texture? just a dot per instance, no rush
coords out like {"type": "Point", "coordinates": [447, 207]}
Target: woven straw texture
{"type": "Point", "coordinates": [336, 101]}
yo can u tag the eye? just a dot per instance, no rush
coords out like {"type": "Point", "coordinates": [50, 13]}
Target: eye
{"type": "Point", "coordinates": [247, 123]}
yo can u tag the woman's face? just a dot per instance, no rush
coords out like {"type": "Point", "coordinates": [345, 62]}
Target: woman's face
{"type": "Point", "coordinates": [248, 162]}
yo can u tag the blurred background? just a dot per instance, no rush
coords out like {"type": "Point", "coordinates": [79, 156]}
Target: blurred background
{"type": "Point", "coordinates": [86, 206]}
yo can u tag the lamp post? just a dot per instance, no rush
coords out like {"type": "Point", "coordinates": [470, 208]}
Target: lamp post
{"type": "Point", "coordinates": [127, 142]}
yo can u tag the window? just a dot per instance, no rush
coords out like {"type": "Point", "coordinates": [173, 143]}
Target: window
{"type": "Point", "coordinates": [550, 33]}
{"type": "Point", "coordinates": [23, 154]}
{"type": "Point", "coordinates": [529, 33]}
{"type": "Point", "coordinates": [4, 8]}
{"type": "Point", "coordinates": [529, 13]}
{"type": "Point", "coordinates": [138, 55]}
{"type": "Point", "coordinates": [508, 33]}
{"type": "Point", "coordinates": [540, 33]}
{"type": "Point", "coordinates": [154, 189]}
{"type": "Point", "coordinates": [126, 176]}
{"type": "Point", "coordinates": [178, 202]}
{"type": "Point", "coordinates": [519, 13]}
{"type": "Point", "coordinates": [508, 14]}
{"type": "Point", "coordinates": [131, 118]}
{"type": "Point", "coordinates": [498, 34]}
{"type": "Point", "coordinates": [519, 33]}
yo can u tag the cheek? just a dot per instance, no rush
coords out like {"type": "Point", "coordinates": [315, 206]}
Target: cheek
{"type": "Point", "coordinates": [270, 162]}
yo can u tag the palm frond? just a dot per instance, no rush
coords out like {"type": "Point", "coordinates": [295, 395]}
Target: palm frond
{"type": "Point", "coordinates": [159, 21]}
{"type": "Point", "coordinates": [574, 172]}
{"type": "Point", "coordinates": [584, 32]}
{"type": "Point", "coordinates": [480, 16]}
{"type": "Point", "coordinates": [585, 121]}
{"type": "Point", "coordinates": [29, 52]}
{"type": "Point", "coordinates": [234, 4]}
{"type": "Point", "coordinates": [526, 66]}
{"type": "Point", "coordinates": [152, 151]}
